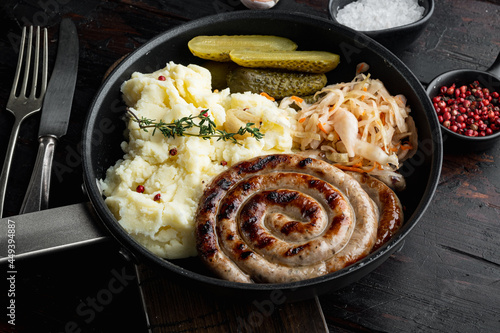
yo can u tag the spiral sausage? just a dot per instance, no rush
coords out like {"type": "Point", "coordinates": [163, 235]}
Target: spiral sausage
{"type": "Point", "coordinates": [388, 204]}
{"type": "Point", "coordinates": [282, 218]}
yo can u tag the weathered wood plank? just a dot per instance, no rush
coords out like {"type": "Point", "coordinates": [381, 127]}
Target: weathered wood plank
{"type": "Point", "coordinates": [445, 278]}
{"type": "Point", "coordinates": [461, 34]}
{"type": "Point", "coordinates": [173, 308]}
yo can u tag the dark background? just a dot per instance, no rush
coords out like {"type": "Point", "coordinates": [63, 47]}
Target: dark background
{"type": "Point", "coordinates": [446, 278]}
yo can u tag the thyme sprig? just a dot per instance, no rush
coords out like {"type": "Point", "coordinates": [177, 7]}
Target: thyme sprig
{"type": "Point", "coordinates": [207, 128]}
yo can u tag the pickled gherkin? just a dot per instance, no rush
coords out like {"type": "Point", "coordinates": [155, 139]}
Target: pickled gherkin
{"type": "Point", "coordinates": [219, 72]}
{"type": "Point", "coordinates": [300, 61]}
{"type": "Point", "coordinates": [275, 83]}
{"type": "Point", "coordinates": [217, 48]}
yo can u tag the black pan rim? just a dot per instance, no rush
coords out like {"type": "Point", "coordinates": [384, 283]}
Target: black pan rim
{"type": "Point", "coordinates": [127, 241]}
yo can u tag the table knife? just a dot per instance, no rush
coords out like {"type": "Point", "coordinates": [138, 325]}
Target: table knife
{"type": "Point", "coordinates": [56, 110]}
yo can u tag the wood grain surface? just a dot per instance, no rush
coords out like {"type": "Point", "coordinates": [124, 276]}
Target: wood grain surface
{"type": "Point", "coordinates": [446, 277]}
{"type": "Point", "coordinates": [174, 308]}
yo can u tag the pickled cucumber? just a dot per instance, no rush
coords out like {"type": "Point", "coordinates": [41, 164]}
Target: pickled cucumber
{"type": "Point", "coordinates": [219, 72]}
{"type": "Point", "coordinates": [217, 48]}
{"type": "Point", "coordinates": [275, 83]}
{"type": "Point", "coordinates": [301, 61]}
{"type": "Point", "coordinates": [311, 99]}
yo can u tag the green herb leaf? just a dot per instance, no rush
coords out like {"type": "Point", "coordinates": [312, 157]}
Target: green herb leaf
{"type": "Point", "coordinates": [206, 127]}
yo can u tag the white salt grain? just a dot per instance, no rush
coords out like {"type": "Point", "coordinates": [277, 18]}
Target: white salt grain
{"type": "Point", "coordinates": [367, 15]}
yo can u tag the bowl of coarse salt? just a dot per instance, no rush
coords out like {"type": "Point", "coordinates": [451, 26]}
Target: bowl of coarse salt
{"type": "Point", "coordinates": [396, 24]}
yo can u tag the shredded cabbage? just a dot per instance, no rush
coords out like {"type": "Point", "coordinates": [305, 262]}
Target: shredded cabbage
{"type": "Point", "coordinates": [358, 124]}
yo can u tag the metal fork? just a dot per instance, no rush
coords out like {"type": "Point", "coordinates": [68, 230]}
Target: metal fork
{"type": "Point", "coordinates": [21, 104]}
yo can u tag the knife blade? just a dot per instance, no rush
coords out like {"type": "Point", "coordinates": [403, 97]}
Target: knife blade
{"type": "Point", "coordinates": [56, 110]}
{"type": "Point", "coordinates": [58, 99]}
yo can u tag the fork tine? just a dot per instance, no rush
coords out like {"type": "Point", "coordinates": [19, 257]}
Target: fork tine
{"type": "Point", "coordinates": [19, 63]}
{"type": "Point", "coordinates": [34, 82]}
{"type": "Point", "coordinates": [27, 63]}
{"type": "Point", "coordinates": [19, 104]}
{"type": "Point", "coordinates": [45, 66]}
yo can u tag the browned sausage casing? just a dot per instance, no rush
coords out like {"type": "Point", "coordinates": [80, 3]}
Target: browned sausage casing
{"type": "Point", "coordinates": [282, 218]}
{"type": "Point", "coordinates": [387, 202]}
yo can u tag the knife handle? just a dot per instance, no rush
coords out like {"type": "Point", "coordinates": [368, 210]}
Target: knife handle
{"type": "Point", "coordinates": [37, 195]}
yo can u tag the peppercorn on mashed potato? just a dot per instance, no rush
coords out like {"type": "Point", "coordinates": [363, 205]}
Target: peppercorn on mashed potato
{"type": "Point", "coordinates": [166, 226]}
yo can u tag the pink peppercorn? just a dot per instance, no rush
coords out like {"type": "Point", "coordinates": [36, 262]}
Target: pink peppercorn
{"type": "Point", "coordinates": [469, 110]}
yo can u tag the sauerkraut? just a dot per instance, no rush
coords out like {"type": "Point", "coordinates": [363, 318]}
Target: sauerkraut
{"type": "Point", "coordinates": [358, 124]}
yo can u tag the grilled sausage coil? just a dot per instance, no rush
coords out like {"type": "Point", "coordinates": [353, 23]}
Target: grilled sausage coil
{"type": "Point", "coordinates": [282, 218]}
{"type": "Point", "coordinates": [387, 202]}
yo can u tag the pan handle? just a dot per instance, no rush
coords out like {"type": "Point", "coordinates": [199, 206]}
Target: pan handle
{"type": "Point", "coordinates": [47, 231]}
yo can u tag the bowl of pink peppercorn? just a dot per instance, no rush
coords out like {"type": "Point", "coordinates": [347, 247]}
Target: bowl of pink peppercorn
{"type": "Point", "coordinates": [467, 104]}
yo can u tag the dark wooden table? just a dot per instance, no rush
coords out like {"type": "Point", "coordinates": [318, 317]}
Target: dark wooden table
{"type": "Point", "coordinates": [446, 278]}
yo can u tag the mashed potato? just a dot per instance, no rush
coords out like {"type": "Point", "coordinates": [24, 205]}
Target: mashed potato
{"type": "Point", "coordinates": [166, 226]}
